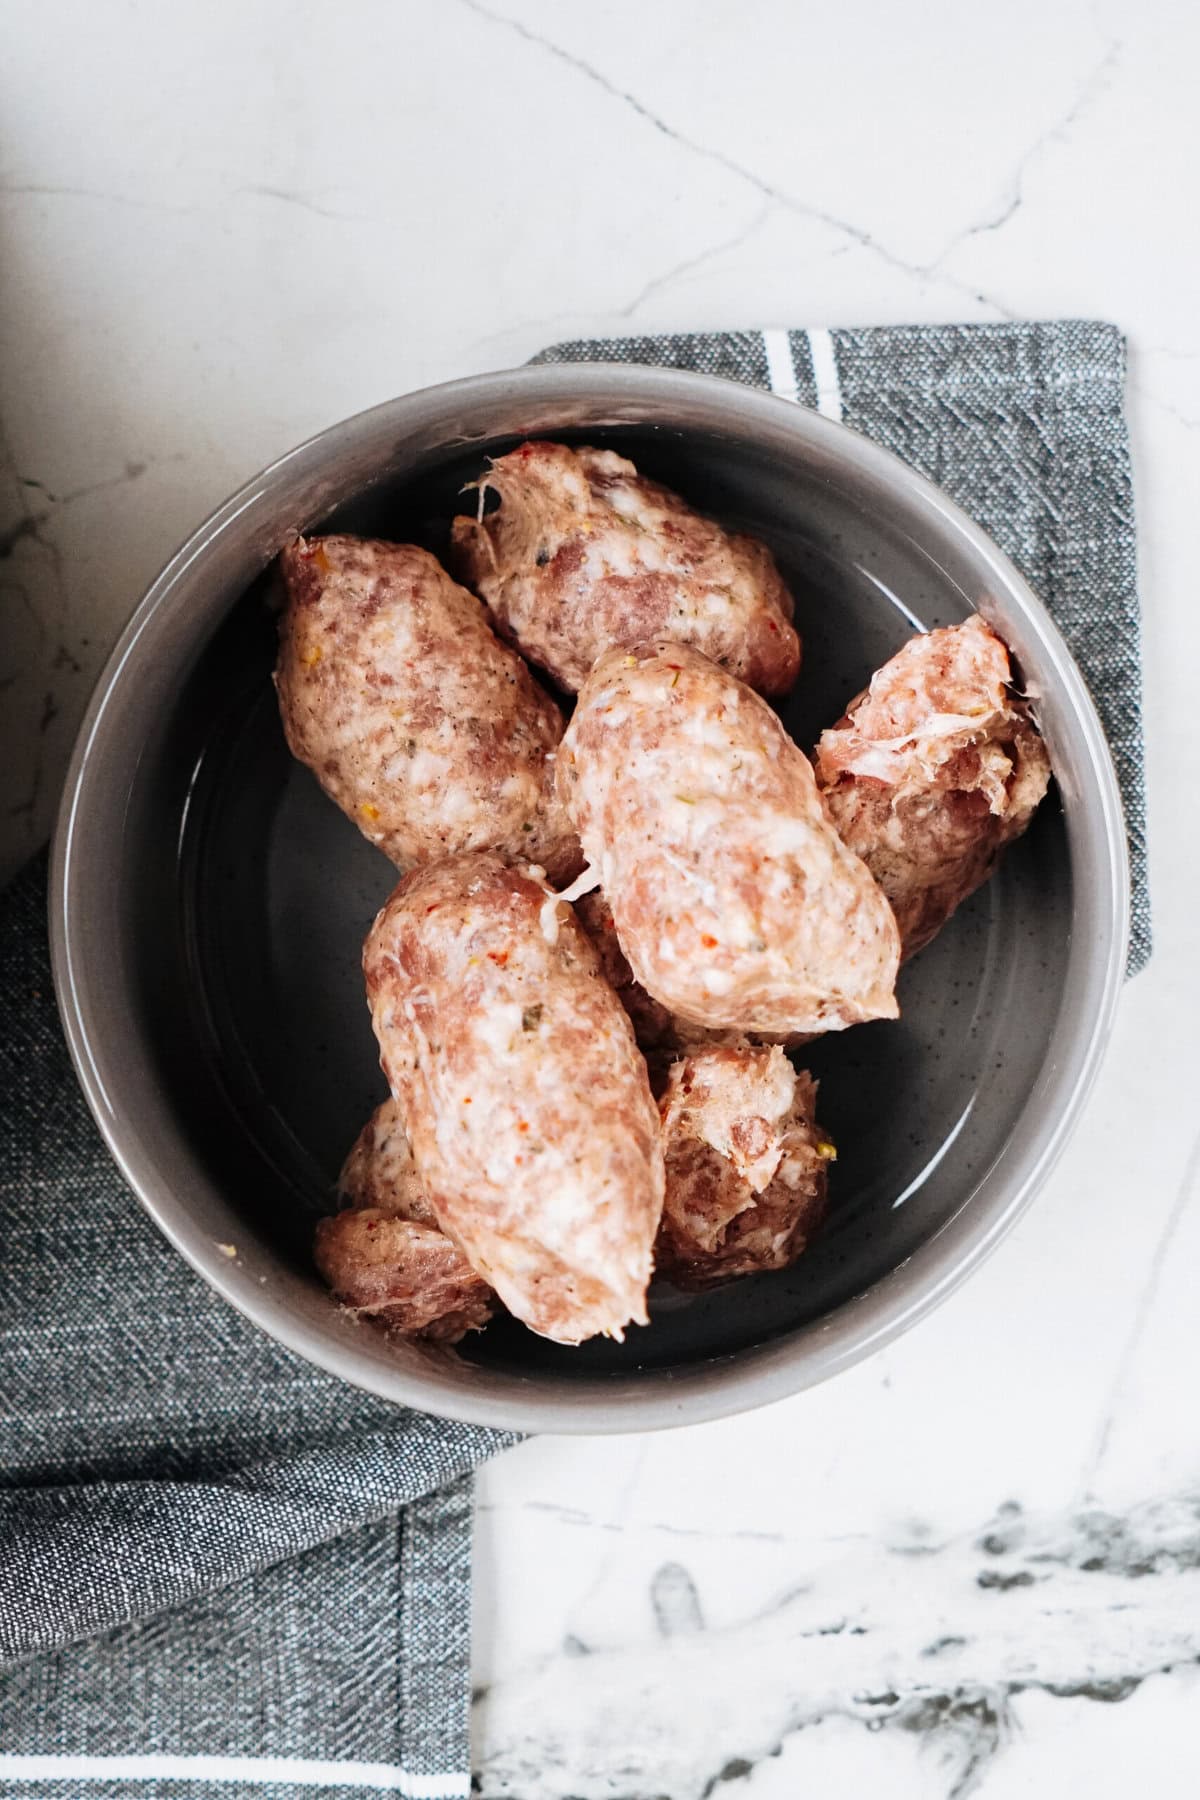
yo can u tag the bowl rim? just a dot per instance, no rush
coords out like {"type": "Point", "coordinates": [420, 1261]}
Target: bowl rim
{"type": "Point", "coordinates": [907, 1293]}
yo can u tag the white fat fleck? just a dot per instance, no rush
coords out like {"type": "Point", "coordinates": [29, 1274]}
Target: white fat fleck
{"type": "Point", "coordinates": [424, 768]}
{"type": "Point", "coordinates": [701, 884]}
{"type": "Point", "coordinates": [615, 553]}
{"type": "Point", "coordinates": [693, 817]}
{"type": "Point", "coordinates": [706, 728]}
{"type": "Point", "coordinates": [717, 981]}
{"type": "Point", "coordinates": [456, 800]}
{"type": "Point", "coordinates": [562, 1207]}
{"type": "Point", "coordinates": [498, 1026]}
{"type": "Point", "coordinates": [714, 603]}
{"type": "Point", "coordinates": [785, 838]}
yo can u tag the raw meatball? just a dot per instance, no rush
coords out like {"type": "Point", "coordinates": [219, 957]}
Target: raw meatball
{"type": "Point", "coordinates": [385, 1255]}
{"type": "Point", "coordinates": [426, 730]}
{"type": "Point", "coordinates": [584, 553]}
{"type": "Point", "coordinates": [932, 771]}
{"type": "Point", "coordinates": [526, 1100]}
{"type": "Point", "coordinates": [736, 903]}
{"type": "Point", "coordinates": [746, 1166]}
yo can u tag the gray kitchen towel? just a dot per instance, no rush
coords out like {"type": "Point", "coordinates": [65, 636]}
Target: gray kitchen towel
{"type": "Point", "coordinates": [222, 1572]}
{"type": "Point", "coordinates": [1023, 425]}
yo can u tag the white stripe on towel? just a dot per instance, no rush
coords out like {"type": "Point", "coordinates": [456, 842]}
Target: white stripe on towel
{"type": "Point", "coordinates": [255, 1771]}
{"type": "Point", "coordinates": [825, 373]}
{"type": "Point", "coordinates": [781, 371]}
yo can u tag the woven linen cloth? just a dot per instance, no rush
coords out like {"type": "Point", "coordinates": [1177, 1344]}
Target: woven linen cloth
{"type": "Point", "coordinates": [1023, 425]}
{"type": "Point", "coordinates": [222, 1573]}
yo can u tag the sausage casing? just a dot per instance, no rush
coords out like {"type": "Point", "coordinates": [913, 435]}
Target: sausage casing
{"type": "Point", "coordinates": [932, 771]}
{"type": "Point", "coordinates": [735, 901]}
{"type": "Point", "coordinates": [584, 553]}
{"type": "Point", "coordinates": [424, 728]}
{"type": "Point", "coordinates": [526, 1100]}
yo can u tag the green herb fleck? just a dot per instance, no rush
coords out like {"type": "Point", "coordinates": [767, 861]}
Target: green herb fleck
{"type": "Point", "coordinates": [531, 1018]}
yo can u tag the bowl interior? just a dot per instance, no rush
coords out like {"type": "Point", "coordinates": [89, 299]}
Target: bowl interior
{"type": "Point", "coordinates": [254, 894]}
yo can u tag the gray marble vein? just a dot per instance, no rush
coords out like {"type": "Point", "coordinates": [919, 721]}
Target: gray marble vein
{"type": "Point", "coordinates": [776, 195]}
{"type": "Point", "coordinates": [939, 1644]}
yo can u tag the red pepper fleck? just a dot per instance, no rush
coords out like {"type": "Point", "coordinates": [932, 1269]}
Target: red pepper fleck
{"type": "Point", "coordinates": [710, 943]}
{"type": "Point", "coordinates": [498, 956]}
{"type": "Point", "coordinates": [772, 626]}
{"type": "Point", "coordinates": [522, 1124]}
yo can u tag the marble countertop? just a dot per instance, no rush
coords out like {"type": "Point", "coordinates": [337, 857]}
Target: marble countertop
{"type": "Point", "coordinates": [971, 1565]}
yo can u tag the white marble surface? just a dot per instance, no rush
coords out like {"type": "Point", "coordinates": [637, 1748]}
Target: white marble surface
{"type": "Point", "coordinates": [226, 225]}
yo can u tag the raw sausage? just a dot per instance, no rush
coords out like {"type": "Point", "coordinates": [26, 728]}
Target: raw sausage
{"type": "Point", "coordinates": [526, 1101]}
{"type": "Point", "coordinates": [746, 1166]}
{"type": "Point", "coordinates": [385, 1255]}
{"type": "Point", "coordinates": [653, 1026]}
{"type": "Point", "coordinates": [661, 1036]}
{"type": "Point", "coordinates": [735, 901]}
{"type": "Point", "coordinates": [380, 1171]}
{"type": "Point", "coordinates": [426, 730]}
{"type": "Point", "coordinates": [932, 771]}
{"type": "Point", "coordinates": [584, 553]}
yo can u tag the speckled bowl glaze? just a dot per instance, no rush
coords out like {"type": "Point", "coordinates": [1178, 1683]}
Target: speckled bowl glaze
{"type": "Point", "coordinates": [209, 905]}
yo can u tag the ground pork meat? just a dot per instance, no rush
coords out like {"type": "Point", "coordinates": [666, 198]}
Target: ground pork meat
{"type": "Point", "coordinates": [424, 728]}
{"type": "Point", "coordinates": [384, 1254]}
{"type": "Point", "coordinates": [525, 1097]}
{"type": "Point", "coordinates": [746, 1166]}
{"type": "Point", "coordinates": [736, 904]}
{"type": "Point", "coordinates": [932, 771]}
{"type": "Point", "coordinates": [583, 553]}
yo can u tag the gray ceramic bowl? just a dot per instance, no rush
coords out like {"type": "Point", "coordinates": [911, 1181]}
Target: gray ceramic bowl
{"type": "Point", "coordinates": [209, 905]}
